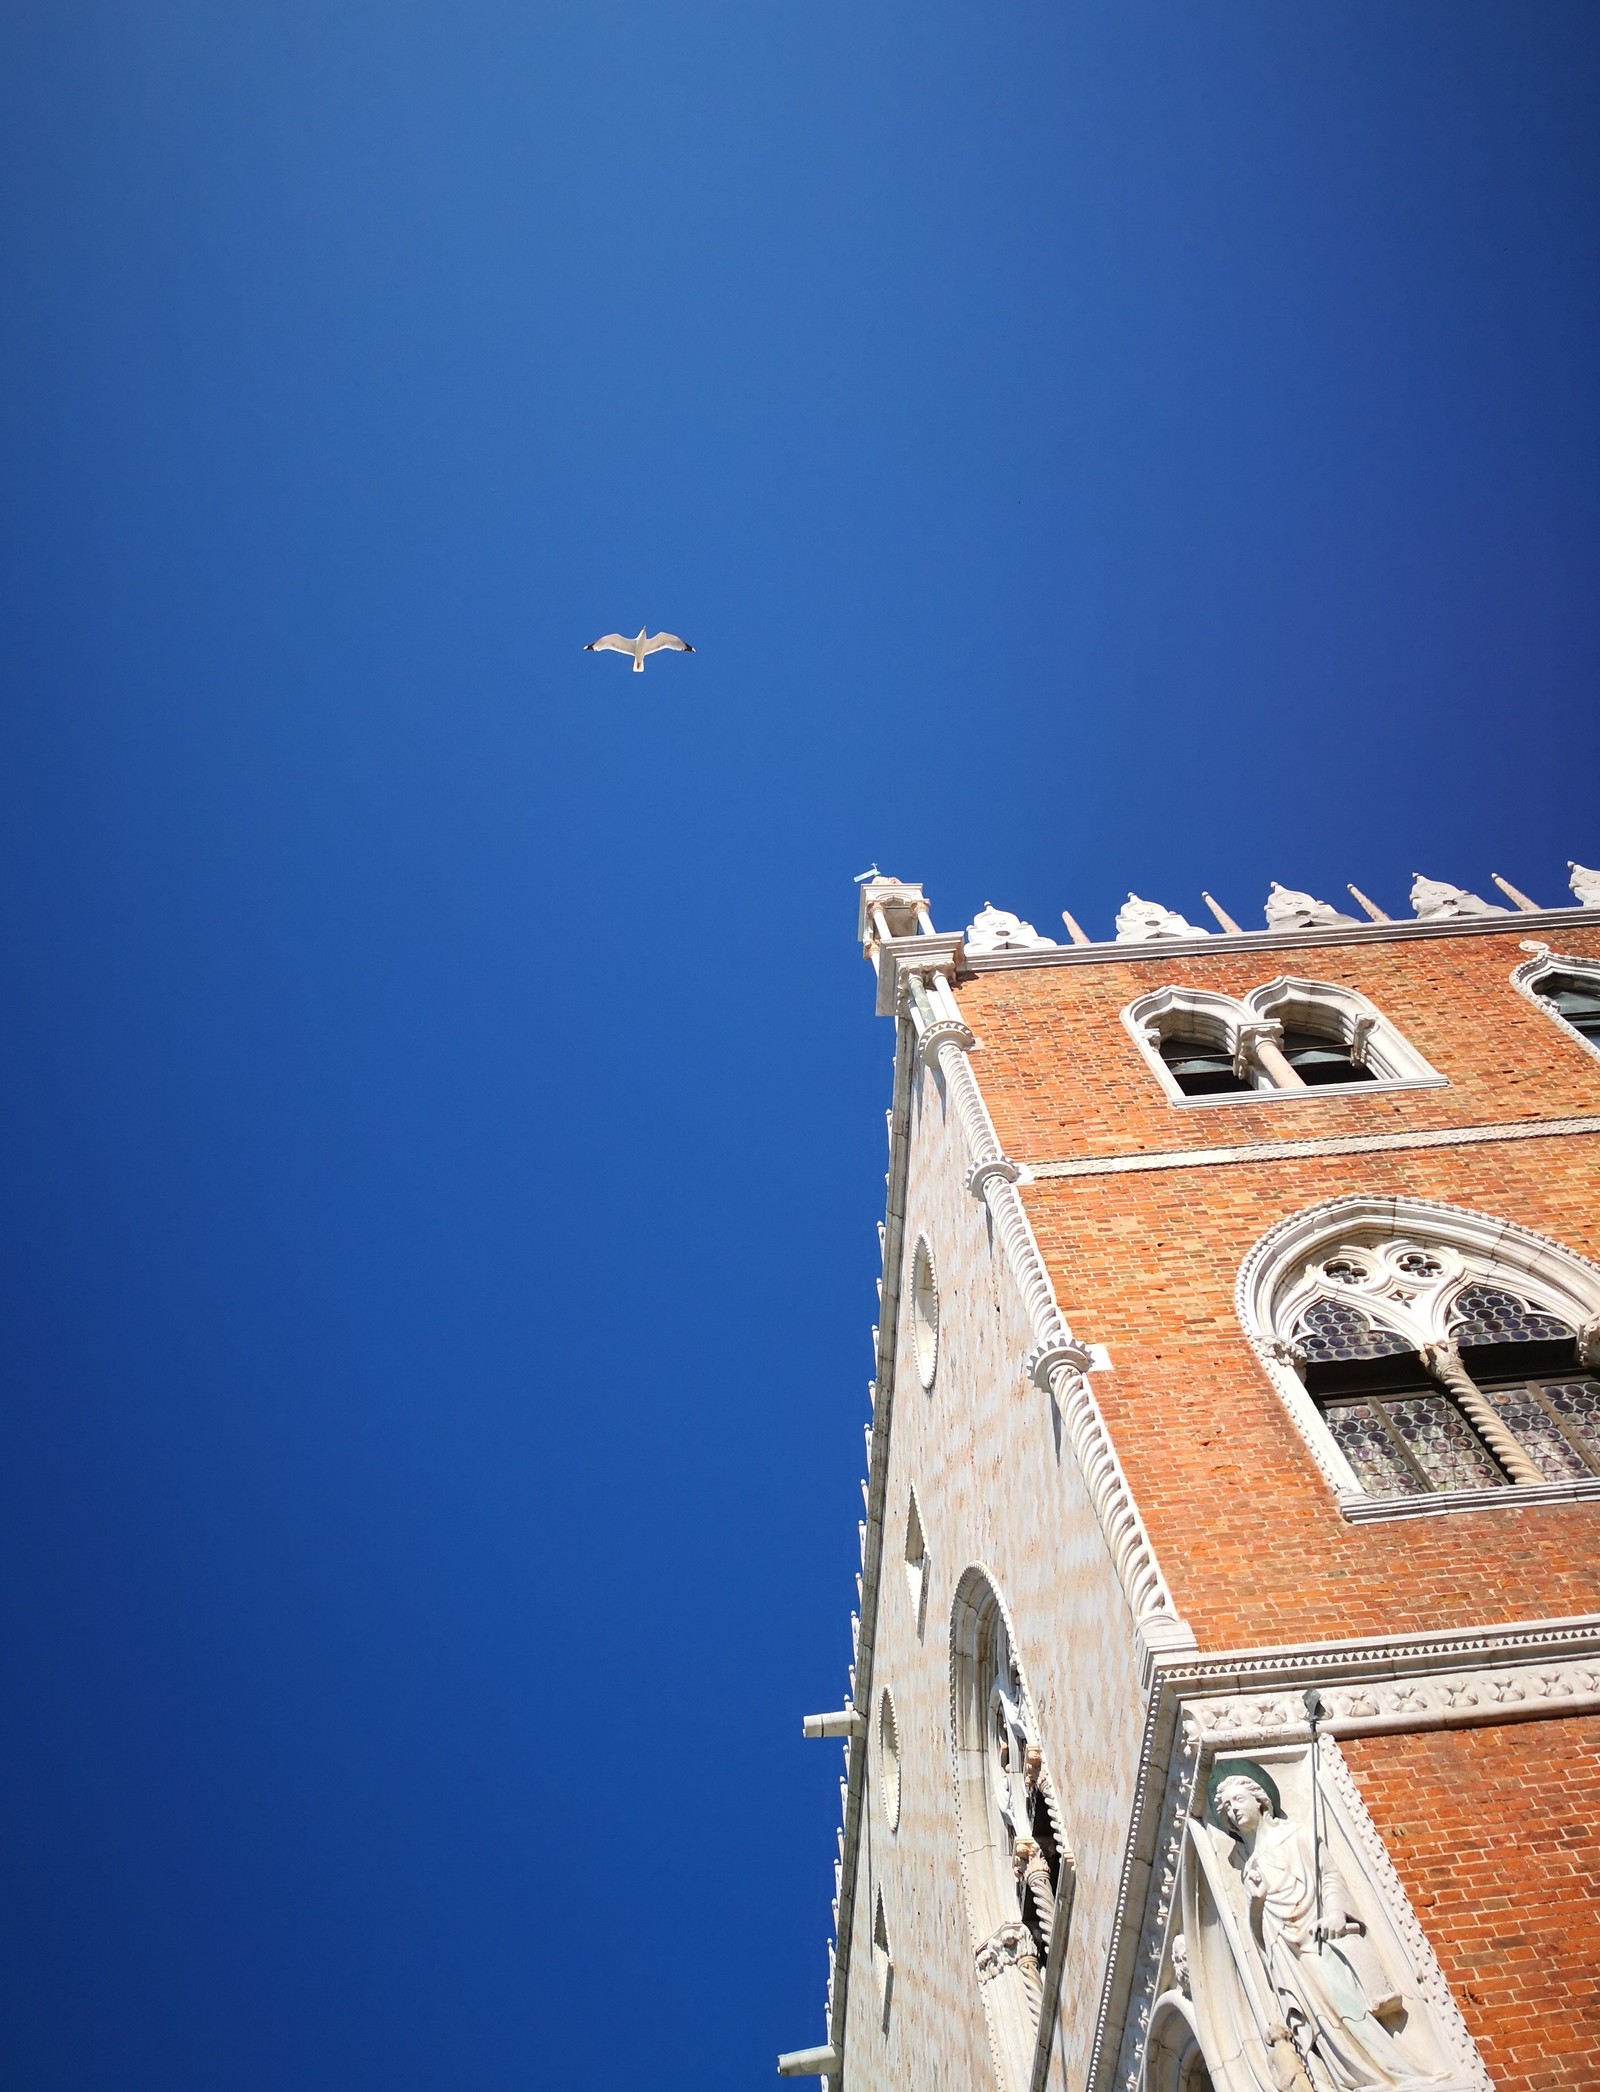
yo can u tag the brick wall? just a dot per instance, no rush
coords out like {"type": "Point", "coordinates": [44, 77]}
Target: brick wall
{"type": "Point", "coordinates": [1494, 1834]}
{"type": "Point", "coordinates": [1246, 1529]}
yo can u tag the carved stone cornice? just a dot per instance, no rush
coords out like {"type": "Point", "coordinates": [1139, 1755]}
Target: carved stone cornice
{"type": "Point", "coordinates": [1163, 949]}
{"type": "Point", "coordinates": [902, 957]}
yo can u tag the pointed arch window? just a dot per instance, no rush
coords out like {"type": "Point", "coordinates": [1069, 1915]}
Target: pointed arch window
{"type": "Point", "coordinates": [1017, 1865]}
{"type": "Point", "coordinates": [1431, 1353]}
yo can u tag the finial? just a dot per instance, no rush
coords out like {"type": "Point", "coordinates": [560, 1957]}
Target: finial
{"type": "Point", "coordinates": [1371, 907]}
{"type": "Point", "coordinates": [1222, 915]}
{"type": "Point", "coordinates": [1513, 894]}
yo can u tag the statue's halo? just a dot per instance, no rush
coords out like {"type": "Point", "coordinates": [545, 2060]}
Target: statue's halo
{"type": "Point", "coordinates": [1239, 1769]}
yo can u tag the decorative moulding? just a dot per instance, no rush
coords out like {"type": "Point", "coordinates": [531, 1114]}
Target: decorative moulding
{"type": "Point", "coordinates": [1202, 942]}
{"type": "Point", "coordinates": [1288, 1150]}
{"type": "Point", "coordinates": [1133, 1557]}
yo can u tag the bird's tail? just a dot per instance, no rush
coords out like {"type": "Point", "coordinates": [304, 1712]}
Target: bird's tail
{"type": "Point", "coordinates": [638, 664]}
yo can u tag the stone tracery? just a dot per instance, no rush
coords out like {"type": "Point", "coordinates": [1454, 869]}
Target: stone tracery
{"type": "Point", "coordinates": [1415, 1363]}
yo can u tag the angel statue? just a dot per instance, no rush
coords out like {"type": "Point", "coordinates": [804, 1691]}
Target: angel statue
{"type": "Point", "coordinates": [1341, 2006]}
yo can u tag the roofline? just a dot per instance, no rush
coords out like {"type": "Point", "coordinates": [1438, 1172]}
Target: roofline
{"type": "Point", "coordinates": [1163, 948]}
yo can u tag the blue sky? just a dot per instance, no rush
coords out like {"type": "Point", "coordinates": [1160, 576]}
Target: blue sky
{"type": "Point", "coordinates": [1092, 448]}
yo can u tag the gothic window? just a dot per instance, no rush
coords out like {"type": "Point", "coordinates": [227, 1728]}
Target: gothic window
{"type": "Point", "coordinates": [1566, 989]}
{"type": "Point", "coordinates": [1016, 1859]}
{"type": "Point", "coordinates": [916, 1562]}
{"type": "Point", "coordinates": [1417, 1365]}
{"type": "Point", "coordinates": [889, 1759]}
{"type": "Point", "coordinates": [1281, 1040]}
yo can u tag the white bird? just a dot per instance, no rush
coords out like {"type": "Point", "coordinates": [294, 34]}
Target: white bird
{"type": "Point", "coordinates": [614, 643]}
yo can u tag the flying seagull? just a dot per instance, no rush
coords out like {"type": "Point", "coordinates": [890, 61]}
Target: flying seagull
{"type": "Point", "coordinates": [614, 643]}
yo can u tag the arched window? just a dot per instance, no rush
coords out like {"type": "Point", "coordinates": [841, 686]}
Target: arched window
{"type": "Point", "coordinates": [1333, 1034]}
{"type": "Point", "coordinates": [1425, 1350]}
{"type": "Point", "coordinates": [1015, 1856]}
{"type": "Point", "coordinates": [1566, 989]}
{"type": "Point", "coordinates": [1281, 1040]}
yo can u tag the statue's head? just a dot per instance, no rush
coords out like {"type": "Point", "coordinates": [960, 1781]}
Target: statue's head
{"type": "Point", "coordinates": [1241, 1806]}
{"type": "Point", "coordinates": [1242, 1796]}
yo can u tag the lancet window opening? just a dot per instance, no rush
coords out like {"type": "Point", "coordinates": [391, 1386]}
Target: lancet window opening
{"type": "Point", "coordinates": [1015, 1852]}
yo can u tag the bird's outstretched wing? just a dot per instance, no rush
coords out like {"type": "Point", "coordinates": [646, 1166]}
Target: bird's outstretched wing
{"type": "Point", "coordinates": [668, 639]}
{"type": "Point", "coordinates": [612, 643]}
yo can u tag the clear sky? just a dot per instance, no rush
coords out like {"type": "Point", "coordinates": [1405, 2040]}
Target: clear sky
{"type": "Point", "coordinates": [1092, 447]}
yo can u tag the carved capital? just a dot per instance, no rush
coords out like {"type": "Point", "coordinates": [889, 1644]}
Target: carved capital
{"type": "Point", "coordinates": [1589, 1341]}
{"type": "Point", "coordinates": [1064, 1350]}
{"type": "Point", "coordinates": [1268, 1031]}
{"type": "Point", "coordinates": [1011, 1947]}
{"type": "Point", "coordinates": [994, 1168]}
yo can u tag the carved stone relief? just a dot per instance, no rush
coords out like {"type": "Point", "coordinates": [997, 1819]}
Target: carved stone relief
{"type": "Point", "coordinates": [1436, 901]}
{"type": "Point", "coordinates": [998, 930]}
{"type": "Point", "coordinates": [1140, 921]}
{"type": "Point", "coordinates": [1288, 909]}
{"type": "Point", "coordinates": [1300, 1976]}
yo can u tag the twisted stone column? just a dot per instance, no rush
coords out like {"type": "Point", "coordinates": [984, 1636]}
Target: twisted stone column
{"type": "Point", "coordinates": [1445, 1363]}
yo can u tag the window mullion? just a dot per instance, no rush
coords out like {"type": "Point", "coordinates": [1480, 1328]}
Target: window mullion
{"type": "Point", "coordinates": [1392, 1431]}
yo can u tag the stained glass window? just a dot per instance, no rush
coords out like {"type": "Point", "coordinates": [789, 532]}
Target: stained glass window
{"type": "Point", "coordinates": [1539, 1434]}
{"type": "Point", "coordinates": [1334, 1329]}
{"type": "Point", "coordinates": [1443, 1444]}
{"type": "Point", "coordinates": [1577, 1404]}
{"type": "Point", "coordinates": [1380, 1466]}
{"type": "Point", "coordinates": [1487, 1316]}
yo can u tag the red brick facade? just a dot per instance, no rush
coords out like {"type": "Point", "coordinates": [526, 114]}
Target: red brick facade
{"type": "Point", "coordinates": [1495, 1831]}
{"type": "Point", "coordinates": [1494, 1835]}
{"type": "Point", "coordinates": [1245, 1527]}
